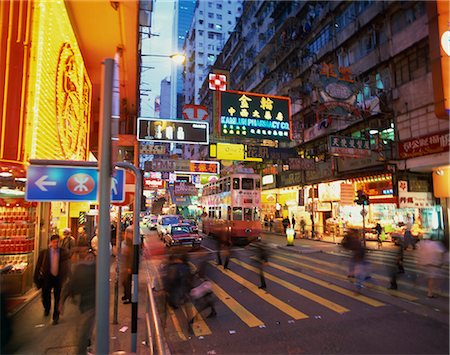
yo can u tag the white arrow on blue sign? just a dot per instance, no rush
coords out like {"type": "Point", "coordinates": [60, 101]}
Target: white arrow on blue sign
{"type": "Point", "coordinates": [69, 183]}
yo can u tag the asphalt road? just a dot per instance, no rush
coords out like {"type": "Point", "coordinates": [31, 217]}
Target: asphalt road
{"type": "Point", "coordinates": [309, 306]}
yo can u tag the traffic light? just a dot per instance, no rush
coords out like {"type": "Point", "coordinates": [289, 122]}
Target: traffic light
{"type": "Point", "coordinates": [362, 199]}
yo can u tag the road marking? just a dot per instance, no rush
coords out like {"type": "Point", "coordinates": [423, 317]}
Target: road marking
{"type": "Point", "coordinates": [247, 317]}
{"type": "Point", "coordinates": [335, 288]}
{"type": "Point", "coordinates": [199, 326]}
{"type": "Point", "coordinates": [175, 322]}
{"type": "Point", "coordinates": [344, 278]}
{"type": "Point", "coordinates": [313, 297]}
{"type": "Point", "coordinates": [284, 307]}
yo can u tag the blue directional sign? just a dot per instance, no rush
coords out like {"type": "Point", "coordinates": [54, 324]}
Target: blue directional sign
{"type": "Point", "coordinates": [69, 183]}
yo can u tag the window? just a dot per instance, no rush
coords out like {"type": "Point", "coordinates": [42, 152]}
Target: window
{"type": "Point", "coordinates": [210, 35]}
{"type": "Point", "coordinates": [412, 65]}
{"type": "Point", "coordinates": [237, 214]}
{"type": "Point", "coordinates": [229, 22]}
{"type": "Point", "coordinates": [219, 16]}
{"type": "Point", "coordinates": [229, 12]}
{"type": "Point", "coordinates": [247, 184]}
{"type": "Point", "coordinates": [211, 58]}
{"type": "Point", "coordinates": [210, 15]}
{"type": "Point", "coordinates": [219, 6]}
{"type": "Point", "coordinates": [211, 26]}
{"type": "Point", "coordinates": [210, 47]}
{"type": "Point", "coordinates": [218, 27]}
{"type": "Point", "coordinates": [248, 214]}
{"type": "Point", "coordinates": [236, 185]}
{"type": "Point", "coordinates": [258, 183]}
{"type": "Point", "coordinates": [209, 4]}
{"type": "Point", "coordinates": [227, 184]}
{"type": "Point", "coordinates": [200, 32]}
{"type": "Point", "coordinates": [200, 22]}
{"type": "Point", "coordinates": [201, 12]}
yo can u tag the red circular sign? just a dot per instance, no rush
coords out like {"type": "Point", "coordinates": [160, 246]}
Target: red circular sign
{"type": "Point", "coordinates": [81, 184]}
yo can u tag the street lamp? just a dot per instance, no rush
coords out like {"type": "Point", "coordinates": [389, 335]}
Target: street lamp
{"type": "Point", "coordinates": [177, 58]}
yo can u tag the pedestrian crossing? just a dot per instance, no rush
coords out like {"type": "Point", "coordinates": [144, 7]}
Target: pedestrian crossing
{"type": "Point", "coordinates": [322, 282]}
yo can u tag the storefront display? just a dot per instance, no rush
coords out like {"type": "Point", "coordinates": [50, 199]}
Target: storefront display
{"type": "Point", "coordinates": [17, 241]}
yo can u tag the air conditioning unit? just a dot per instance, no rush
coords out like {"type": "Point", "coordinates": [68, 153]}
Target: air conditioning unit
{"type": "Point", "coordinates": [145, 18]}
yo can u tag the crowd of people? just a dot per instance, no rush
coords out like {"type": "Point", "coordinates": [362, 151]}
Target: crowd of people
{"type": "Point", "coordinates": [67, 269]}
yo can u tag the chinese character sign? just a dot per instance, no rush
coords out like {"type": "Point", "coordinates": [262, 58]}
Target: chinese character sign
{"type": "Point", "coordinates": [349, 146]}
{"type": "Point", "coordinates": [249, 115]}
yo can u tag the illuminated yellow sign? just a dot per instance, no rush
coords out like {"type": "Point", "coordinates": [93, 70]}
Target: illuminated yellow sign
{"type": "Point", "coordinates": [229, 151]}
{"type": "Point", "coordinates": [59, 91]}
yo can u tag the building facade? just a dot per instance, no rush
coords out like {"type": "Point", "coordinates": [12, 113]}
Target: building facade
{"type": "Point", "coordinates": [362, 88]}
{"type": "Point", "coordinates": [212, 24]}
{"type": "Point", "coordinates": [183, 14]}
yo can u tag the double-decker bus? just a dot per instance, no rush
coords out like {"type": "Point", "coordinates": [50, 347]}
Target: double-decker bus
{"type": "Point", "coordinates": [232, 206]}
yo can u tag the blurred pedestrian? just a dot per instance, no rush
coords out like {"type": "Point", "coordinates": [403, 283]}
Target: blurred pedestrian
{"type": "Point", "coordinates": [302, 227]}
{"type": "Point", "coordinates": [293, 222]}
{"type": "Point", "coordinates": [432, 256]}
{"type": "Point", "coordinates": [360, 265]}
{"type": "Point", "coordinates": [378, 230]}
{"type": "Point", "coordinates": [407, 237]}
{"type": "Point", "coordinates": [285, 222]}
{"type": "Point", "coordinates": [68, 242]}
{"type": "Point", "coordinates": [224, 250]}
{"type": "Point", "coordinates": [271, 224]}
{"type": "Point", "coordinates": [201, 293]}
{"type": "Point", "coordinates": [51, 271]}
{"type": "Point", "coordinates": [82, 284]}
{"type": "Point", "coordinates": [82, 242]}
{"type": "Point", "coordinates": [177, 281]}
{"type": "Point", "coordinates": [126, 264]}
{"type": "Point", "coordinates": [262, 258]}
{"type": "Point", "coordinates": [395, 266]}
{"type": "Point", "coordinates": [266, 222]}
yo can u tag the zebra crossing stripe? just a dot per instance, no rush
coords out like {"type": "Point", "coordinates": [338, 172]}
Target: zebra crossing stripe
{"type": "Point", "coordinates": [199, 327]}
{"type": "Point", "coordinates": [338, 289]}
{"type": "Point", "coordinates": [313, 297]}
{"type": "Point", "coordinates": [247, 317]}
{"type": "Point", "coordinates": [340, 276]}
{"type": "Point", "coordinates": [175, 323]}
{"type": "Point", "coordinates": [282, 306]}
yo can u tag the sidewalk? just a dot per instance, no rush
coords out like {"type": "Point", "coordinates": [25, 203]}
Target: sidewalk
{"type": "Point", "coordinates": [34, 334]}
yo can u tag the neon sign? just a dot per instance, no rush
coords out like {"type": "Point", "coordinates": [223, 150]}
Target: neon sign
{"type": "Point", "coordinates": [250, 115]}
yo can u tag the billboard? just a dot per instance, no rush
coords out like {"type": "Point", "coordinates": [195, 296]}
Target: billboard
{"type": "Point", "coordinates": [172, 131]}
{"type": "Point", "coordinates": [249, 115]}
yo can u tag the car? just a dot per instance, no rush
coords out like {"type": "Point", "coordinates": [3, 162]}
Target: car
{"type": "Point", "coordinates": [182, 235]}
{"type": "Point", "coordinates": [192, 223]}
{"type": "Point", "coordinates": [150, 221]}
{"type": "Point", "coordinates": [165, 222]}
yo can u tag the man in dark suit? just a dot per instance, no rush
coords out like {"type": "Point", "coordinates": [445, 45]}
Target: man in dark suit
{"type": "Point", "coordinates": [51, 271]}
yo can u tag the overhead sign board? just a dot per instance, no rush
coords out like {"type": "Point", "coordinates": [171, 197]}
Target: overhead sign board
{"type": "Point", "coordinates": [249, 115]}
{"type": "Point", "coordinates": [182, 166]}
{"type": "Point", "coordinates": [349, 146]}
{"type": "Point", "coordinates": [173, 131]}
{"type": "Point", "coordinates": [150, 149]}
{"type": "Point", "coordinates": [69, 183]}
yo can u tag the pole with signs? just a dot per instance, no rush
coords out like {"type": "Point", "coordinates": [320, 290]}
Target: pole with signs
{"type": "Point", "coordinates": [104, 225]}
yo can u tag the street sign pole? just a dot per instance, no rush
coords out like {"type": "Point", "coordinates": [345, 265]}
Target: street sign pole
{"type": "Point", "coordinates": [104, 225]}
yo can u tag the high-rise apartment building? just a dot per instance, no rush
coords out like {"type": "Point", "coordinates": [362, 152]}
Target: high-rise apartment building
{"type": "Point", "coordinates": [183, 13]}
{"type": "Point", "coordinates": [166, 102]}
{"type": "Point", "coordinates": [365, 83]}
{"type": "Point", "coordinates": [212, 24]}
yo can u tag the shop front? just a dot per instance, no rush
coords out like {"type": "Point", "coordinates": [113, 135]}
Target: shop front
{"type": "Point", "coordinates": [46, 115]}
